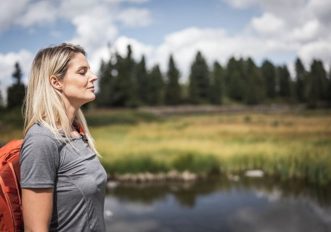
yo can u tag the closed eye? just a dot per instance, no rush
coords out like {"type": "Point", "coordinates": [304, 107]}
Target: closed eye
{"type": "Point", "coordinates": [82, 71]}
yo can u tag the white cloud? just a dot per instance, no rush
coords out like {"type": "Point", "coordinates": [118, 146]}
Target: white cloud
{"type": "Point", "coordinates": [139, 49]}
{"type": "Point", "coordinates": [241, 3]}
{"type": "Point", "coordinates": [274, 5]}
{"type": "Point", "coordinates": [134, 17]}
{"type": "Point", "coordinates": [9, 11]}
{"type": "Point", "coordinates": [320, 49]}
{"type": "Point", "coordinates": [284, 8]}
{"type": "Point", "coordinates": [321, 9]}
{"type": "Point", "coordinates": [268, 24]}
{"type": "Point", "coordinates": [283, 30]}
{"type": "Point", "coordinates": [70, 9]}
{"type": "Point", "coordinates": [38, 13]}
{"type": "Point", "coordinates": [7, 62]}
{"type": "Point", "coordinates": [94, 22]}
{"type": "Point", "coordinates": [309, 31]}
{"type": "Point", "coordinates": [136, 1]}
{"type": "Point", "coordinates": [191, 36]}
{"type": "Point", "coordinates": [120, 46]}
{"type": "Point", "coordinates": [214, 43]}
{"type": "Point", "coordinates": [94, 29]}
{"type": "Point", "coordinates": [292, 12]}
{"type": "Point", "coordinates": [128, 1]}
{"type": "Point", "coordinates": [184, 44]}
{"type": "Point", "coordinates": [300, 26]}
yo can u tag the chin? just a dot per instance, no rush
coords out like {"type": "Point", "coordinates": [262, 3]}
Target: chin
{"type": "Point", "coordinates": [87, 100]}
{"type": "Point", "coordinates": [91, 99]}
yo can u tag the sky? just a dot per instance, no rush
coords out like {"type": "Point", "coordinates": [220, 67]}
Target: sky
{"type": "Point", "coordinates": [278, 30]}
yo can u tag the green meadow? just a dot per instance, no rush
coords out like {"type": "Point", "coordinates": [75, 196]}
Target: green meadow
{"type": "Point", "coordinates": [287, 145]}
{"type": "Point", "coordinates": [291, 145]}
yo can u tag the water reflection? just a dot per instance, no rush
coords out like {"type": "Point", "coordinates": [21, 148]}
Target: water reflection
{"type": "Point", "coordinates": [219, 205]}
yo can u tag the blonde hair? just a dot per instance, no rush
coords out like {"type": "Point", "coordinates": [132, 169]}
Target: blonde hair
{"type": "Point", "coordinates": [43, 103]}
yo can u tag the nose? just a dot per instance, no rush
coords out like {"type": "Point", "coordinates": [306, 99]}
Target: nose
{"type": "Point", "coordinates": [93, 77]}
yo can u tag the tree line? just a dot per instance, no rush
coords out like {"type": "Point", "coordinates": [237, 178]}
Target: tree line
{"type": "Point", "coordinates": [125, 82]}
{"type": "Point", "coordinates": [15, 92]}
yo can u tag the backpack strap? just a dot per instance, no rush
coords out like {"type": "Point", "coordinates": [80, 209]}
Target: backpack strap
{"type": "Point", "coordinates": [81, 131]}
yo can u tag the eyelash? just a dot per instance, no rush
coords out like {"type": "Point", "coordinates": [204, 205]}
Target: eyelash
{"type": "Point", "coordinates": [83, 73]}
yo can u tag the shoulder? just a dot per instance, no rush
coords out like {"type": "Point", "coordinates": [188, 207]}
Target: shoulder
{"type": "Point", "coordinates": [39, 144]}
{"type": "Point", "coordinates": [39, 130]}
{"type": "Point", "coordinates": [39, 158]}
{"type": "Point", "coordinates": [40, 135]}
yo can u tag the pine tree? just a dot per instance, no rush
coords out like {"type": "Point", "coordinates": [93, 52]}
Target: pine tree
{"type": "Point", "coordinates": [125, 86]}
{"type": "Point", "coordinates": [235, 79]}
{"type": "Point", "coordinates": [156, 87]}
{"type": "Point", "coordinates": [269, 75]}
{"type": "Point", "coordinates": [141, 77]}
{"type": "Point", "coordinates": [1, 101]}
{"type": "Point", "coordinates": [16, 92]}
{"type": "Point", "coordinates": [284, 82]}
{"type": "Point", "coordinates": [17, 74]}
{"type": "Point", "coordinates": [300, 80]}
{"type": "Point", "coordinates": [255, 85]}
{"type": "Point", "coordinates": [173, 93]}
{"type": "Point", "coordinates": [217, 84]}
{"type": "Point", "coordinates": [329, 87]}
{"type": "Point", "coordinates": [106, 78]}
{"type": "Point", "coordinates": [199, 80]}
{"type": "Point", "coordinates": [317, 84]}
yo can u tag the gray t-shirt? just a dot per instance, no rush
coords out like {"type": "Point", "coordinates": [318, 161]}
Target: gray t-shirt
{"type": "Point", "coordinates": [76, 176]}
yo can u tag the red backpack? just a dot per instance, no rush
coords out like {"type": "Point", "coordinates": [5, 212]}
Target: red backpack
{"type": "Point", "coordinates": [11, 219]}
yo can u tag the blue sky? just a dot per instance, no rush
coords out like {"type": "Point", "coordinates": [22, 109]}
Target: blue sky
{"type": "Point", "coordinates": [279, 30]}
{"type": "Point", "coordinates": [167, 16]}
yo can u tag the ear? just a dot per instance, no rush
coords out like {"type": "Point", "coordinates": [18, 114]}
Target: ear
{"type": "Point", "coordinates": [55, 82]}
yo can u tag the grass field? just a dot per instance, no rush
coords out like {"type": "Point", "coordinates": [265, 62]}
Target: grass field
{"type": "Point", "coordinates": [286, 145]}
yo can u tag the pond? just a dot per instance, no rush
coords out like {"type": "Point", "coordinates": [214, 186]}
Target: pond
{"type": "Point", "coordinates": [219, 204]}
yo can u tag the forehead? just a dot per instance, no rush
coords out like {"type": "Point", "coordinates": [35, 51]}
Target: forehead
{"type": "Point", "coordinates": [78, 60]}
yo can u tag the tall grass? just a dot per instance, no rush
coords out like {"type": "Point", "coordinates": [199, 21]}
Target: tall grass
{"type": "Point", "coordinates": [11, 125]}
{"type": "Point", "coordinates": [283, 145]}
{"type": "Point", "coordinates": [291, 145]}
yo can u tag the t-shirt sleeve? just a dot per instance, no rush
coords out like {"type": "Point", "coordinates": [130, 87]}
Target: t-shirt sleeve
{"type": "Point", "coordinates": [39, 160]}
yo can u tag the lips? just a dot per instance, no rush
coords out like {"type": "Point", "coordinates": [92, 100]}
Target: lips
{"type": "Point", "coordinates": [91, 88]}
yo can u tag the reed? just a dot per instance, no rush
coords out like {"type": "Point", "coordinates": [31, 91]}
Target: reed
{"type": "Point", "coordinates": [287, 145]}
{"type": "Point", "coordinates": [284, 145]}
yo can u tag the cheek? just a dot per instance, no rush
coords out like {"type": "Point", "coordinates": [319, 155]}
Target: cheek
{"type": "Point", "coordinates": [75, 86]}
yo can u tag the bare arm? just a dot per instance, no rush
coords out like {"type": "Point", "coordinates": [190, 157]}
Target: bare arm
{"type": "Point", "coordinates": [37, 207]}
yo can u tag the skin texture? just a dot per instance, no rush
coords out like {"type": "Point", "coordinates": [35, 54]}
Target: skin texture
{"type": "Point", "coordinates": [77, 88]}
{"type": "Point", "coordinates": [76, 85]}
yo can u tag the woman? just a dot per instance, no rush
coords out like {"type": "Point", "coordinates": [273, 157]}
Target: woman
{"type": "Point", "coordinates": [62, 180]}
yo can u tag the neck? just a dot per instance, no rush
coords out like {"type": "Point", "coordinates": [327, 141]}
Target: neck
{"type": "Point", "coordinates": [71, 111]}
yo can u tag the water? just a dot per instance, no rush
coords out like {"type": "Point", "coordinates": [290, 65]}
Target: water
{"type": "Point", "coordinates": [250, 204]}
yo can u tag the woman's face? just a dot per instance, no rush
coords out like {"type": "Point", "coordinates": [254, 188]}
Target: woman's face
{"type": "Point", "coordinates": [78, 82]}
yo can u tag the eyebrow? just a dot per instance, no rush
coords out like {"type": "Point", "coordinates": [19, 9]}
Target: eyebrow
{"type": "Point", "coordinates": [83, 67]}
